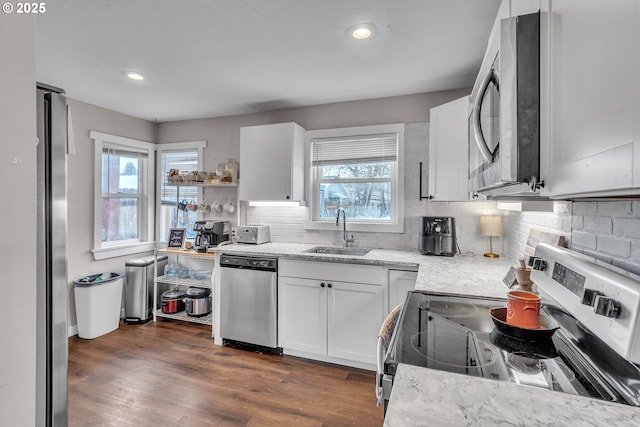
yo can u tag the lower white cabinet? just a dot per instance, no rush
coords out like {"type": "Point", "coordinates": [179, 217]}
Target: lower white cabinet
{"type": "Point", "coordinates": [320, 315]}
{"type": "Point", "coordinates": [302, 315]}
{"type": "Point", "coordinates": [400, 282]}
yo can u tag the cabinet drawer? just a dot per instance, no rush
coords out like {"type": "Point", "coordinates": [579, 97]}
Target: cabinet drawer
{"type": "Point", "coordinates": [344, 272]}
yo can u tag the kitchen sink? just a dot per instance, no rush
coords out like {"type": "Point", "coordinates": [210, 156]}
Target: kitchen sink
{"type": "Point", "coordinates": [330, 250]}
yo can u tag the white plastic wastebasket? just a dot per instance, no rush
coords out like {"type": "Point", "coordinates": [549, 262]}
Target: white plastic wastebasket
{"type": "Point", "coordinates": [98, 302]}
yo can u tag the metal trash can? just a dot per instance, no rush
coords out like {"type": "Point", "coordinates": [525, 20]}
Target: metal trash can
{"type": "Point", "coordinates": [138, 288]}
{"type": "Point", "coordinates": [98, 301]}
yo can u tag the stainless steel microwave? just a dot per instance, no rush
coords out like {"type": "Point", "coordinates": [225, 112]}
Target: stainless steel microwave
{"type": "Point", "coordinates": [504, 124]}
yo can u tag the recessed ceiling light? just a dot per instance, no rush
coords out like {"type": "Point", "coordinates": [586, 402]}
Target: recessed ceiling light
{"type": "Point", "coordinates": [362, 31]}
{"type": "Point", "coordinates": [135, 76]}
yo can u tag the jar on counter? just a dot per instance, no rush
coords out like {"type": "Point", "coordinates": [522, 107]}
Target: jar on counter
{"type": "Point", "coordinates": [220, 169]}
{"type": "Point", "coordinates": [232, 167]}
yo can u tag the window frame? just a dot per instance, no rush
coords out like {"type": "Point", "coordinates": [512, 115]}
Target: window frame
{"type": "Point", "coordinates": [145, 242]}
{"type": "Point", "coordinates": [199, 146]}
{"type": "Point", "coordinates": [396, 223]}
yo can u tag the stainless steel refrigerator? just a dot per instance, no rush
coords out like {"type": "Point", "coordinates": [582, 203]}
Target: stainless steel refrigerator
{"type": "Point", "coordinates": [52, 282]}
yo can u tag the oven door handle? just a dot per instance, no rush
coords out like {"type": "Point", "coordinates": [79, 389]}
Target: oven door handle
{"type": "Point", "coordinates": [490, 77]}
{"type": "Point", "coordinates": [387, 330]}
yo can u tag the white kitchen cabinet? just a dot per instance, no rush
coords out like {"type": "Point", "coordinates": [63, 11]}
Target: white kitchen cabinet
{"type": "Point", "coordinates": [354, 319]}
{"type": "Point", "coordinates": [400, 282]}
{"type": "Point", "coordinates": [593, 92]}
{"type": "Point", "coordinates": [302, 315]}
{"type": "Point", "coordinates": [272, 162]}
{"type": "Point", "coordinates": [448, 151]}
{"type": "Point", "coordinates": [332, 310]}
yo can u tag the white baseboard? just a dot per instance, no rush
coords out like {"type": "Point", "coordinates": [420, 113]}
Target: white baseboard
{"type": "Point", "coordinates": [329, 359]}
{"type": "Point", "coordinates": [72, 330]}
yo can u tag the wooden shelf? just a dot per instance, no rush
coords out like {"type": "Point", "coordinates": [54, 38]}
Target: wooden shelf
{"type": "Point", "coordinates": [184, 252]}
{"type": "Point", "coordinates": [182, 315]}
{"type": "Point", "coordinates": [177, 281]}
{"type": "Point", "coordinates": [201, 184]}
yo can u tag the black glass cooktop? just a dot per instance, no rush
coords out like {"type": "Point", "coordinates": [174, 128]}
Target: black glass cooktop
{"type": "Point", "coordinates": [456, 334]}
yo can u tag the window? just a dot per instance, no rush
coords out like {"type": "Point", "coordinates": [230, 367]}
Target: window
{"type": "Point", "coordinates": [124, 196]}
{"type": "Point", "coordinates": [122, 173]}
{"type": "Point", "coordinates": [357, 169]}
{"type": "Point", "coordinates": [184, 156]}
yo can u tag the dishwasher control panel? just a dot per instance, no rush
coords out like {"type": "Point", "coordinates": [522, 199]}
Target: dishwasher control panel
{"type": "Point", "coordinates": [248, 262]}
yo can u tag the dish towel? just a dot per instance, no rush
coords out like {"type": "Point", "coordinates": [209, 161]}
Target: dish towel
{"type": "Point", "coordinates": [384, 337]}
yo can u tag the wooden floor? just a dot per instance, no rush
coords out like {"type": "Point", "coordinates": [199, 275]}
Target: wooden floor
{"type": "Point", "coordinates": [169, 373]}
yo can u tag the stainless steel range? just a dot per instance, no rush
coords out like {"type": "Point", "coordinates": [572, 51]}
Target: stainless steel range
{"type": "Point", "coordinates": [595, 351]}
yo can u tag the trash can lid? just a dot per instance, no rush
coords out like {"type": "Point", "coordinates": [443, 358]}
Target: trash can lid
{"type": "Point", "coordinates": [143, 262]}
{"type": "Point", "coordinates": [96, 279]}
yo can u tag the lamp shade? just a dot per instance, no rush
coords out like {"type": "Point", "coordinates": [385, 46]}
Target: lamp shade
{"type": "Point", "coordinates": [491, 225]}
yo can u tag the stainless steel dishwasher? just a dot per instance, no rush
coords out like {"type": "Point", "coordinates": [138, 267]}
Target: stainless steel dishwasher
{"type": "Point", "coordinates": [249, 300]}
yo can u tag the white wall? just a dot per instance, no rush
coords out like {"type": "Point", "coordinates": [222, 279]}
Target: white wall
{"type": "Point", "coordinates": [80, 169]}
{"type": "Point", "coordinates": [18, 243]}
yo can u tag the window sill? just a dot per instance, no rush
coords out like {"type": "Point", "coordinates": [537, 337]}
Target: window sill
{"type": "Point", "coordinates": [353, 226]}
{"type": "Point", "coordinates": [122, 250]}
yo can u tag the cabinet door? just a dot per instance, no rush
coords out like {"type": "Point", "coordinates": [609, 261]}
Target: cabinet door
{"type": "Point", "coordinates": [593, 98]}
{"type": "Point", "coordinates": [355, 314]}
{"type": "Point", "coordinates": [448, 151]}
{"type": "Point", "coordinates": [302, 315]}
{"type": "Point", "coordinates": [400, 282]}
{"type": "Point", "coordinates": [265, 161]}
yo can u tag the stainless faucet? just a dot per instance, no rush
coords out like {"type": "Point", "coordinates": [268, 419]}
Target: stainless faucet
{"type": "Point", "coordinates": [345, 240]}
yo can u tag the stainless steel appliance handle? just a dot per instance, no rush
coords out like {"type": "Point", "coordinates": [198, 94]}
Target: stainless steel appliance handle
{"type": "Point", "coordinates": [490, 77]}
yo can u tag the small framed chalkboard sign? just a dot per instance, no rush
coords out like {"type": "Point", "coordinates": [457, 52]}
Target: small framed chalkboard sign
{"type": "Point", "coordinates": [176, 237]}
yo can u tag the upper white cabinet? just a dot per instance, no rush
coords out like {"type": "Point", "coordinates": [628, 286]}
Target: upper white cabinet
{"type": "Point", "coordinates": [593, 91]}
{"type": "Point", "coordinates": [272, 162]}
{"type": "Point", "coordinates": [448, 151]}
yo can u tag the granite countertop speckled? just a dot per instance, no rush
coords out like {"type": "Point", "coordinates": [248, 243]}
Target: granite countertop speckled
{"type": "Point", "coordinates": [427, 397]}
{"type": "Point", "coordinates": [461, 275]}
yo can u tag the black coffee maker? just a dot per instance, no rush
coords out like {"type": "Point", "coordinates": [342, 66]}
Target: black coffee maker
{"type": "Point", "coordinates": [210, 233]}
{"type": "Point", "coordinates": [437, 235]}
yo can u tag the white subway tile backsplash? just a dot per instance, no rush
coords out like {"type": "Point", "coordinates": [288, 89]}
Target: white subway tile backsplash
{"type": "Point", "coordinates": [584, 208]}
{"type": "Point", "coordinates": [598, 224]}
{"type": "Point", "coordinates": [616, 246]}
{"type": "Point", "coordinates": [629, 227]}
{"type": "Point", "coordinates": [614, 208]}
{"type": "Point", "coordinates": [583, 240]}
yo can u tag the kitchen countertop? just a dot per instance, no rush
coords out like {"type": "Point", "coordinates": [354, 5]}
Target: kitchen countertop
{"type": "Point", "coordinates": [427, 397]}
{"type": "Point", "coordinates": [423, 396]}
{"type": "Point", "coordinates": [461, 275]}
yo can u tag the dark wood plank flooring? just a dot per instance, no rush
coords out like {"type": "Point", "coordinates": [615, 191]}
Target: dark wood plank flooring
{"type": "Point", "coordinates": [169, 373]}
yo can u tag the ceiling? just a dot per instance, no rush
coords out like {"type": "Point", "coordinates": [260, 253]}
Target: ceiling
{"type": "Point", "coordinates": [207, 58]}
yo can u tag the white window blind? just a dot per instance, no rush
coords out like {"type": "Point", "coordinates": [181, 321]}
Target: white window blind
{"type": "Point", "coordinates": [354, 149]}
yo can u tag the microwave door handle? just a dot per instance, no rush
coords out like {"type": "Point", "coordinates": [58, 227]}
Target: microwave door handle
{"type": "Point", "coordinates": [492, 76]}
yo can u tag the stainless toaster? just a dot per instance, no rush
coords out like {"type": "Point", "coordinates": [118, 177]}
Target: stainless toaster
{"type": "Point", "coordinates": [254, 234]}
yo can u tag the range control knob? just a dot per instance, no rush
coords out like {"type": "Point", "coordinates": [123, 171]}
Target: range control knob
{"type": "Point", "coordinates": [607, 306]}
{"type": "Point", "coordinates": [537, 263]}
{"type": "Point", "coordinates": [589, 297]}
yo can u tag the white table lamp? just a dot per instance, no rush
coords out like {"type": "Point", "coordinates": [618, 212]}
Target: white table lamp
{"type": "Point", "coordinates": [491, 225]}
